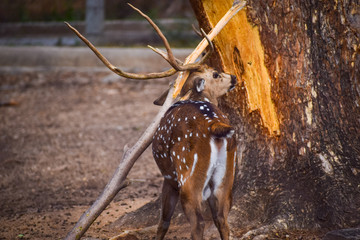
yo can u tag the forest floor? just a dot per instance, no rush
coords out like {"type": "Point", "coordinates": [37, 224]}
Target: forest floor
{"type": "Point", "coordinates": [62, 135]}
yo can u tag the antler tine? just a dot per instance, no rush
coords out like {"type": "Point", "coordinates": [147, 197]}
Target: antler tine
{"type": "Point", "coordinates": [196, 31]}
{"type": "Point", "coordinates": [211, 46]}
{"type": "Point", "coordinates": [189, 65]}
{"type": "Point", "coordinates": [117, 70]}
{"type": "Point", "coordinates": [170, 56]}
{"type": "Point", "coordinates": [164, 54]}
{"type": "Point", "coordinates": [197, 65]}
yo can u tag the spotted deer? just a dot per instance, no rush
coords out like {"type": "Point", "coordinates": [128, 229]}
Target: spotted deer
{"type": "Point", "coordinates": [199, 135]}
{"type": "Point", "coordinates": [195, 150]}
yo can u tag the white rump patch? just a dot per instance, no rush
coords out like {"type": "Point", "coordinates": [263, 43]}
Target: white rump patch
{"type": "Point", "coordinates": [217, 168]}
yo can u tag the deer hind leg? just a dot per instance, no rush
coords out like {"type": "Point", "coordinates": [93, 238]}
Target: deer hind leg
{"type": "Point", "coordinates": [192, 207]}
{"type": "Point", "coordinates": [220, 207]}
{"type": "Point", "coordinates": [170, 198]}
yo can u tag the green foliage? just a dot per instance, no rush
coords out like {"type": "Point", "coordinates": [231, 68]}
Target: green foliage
{"type": "Point", "coordinates": [42, 10]}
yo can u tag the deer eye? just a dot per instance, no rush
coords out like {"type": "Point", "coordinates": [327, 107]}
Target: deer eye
{"type": "Point", "coordinates": [215, 75]}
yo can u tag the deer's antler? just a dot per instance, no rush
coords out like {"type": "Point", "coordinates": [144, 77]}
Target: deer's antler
{"type": "Point", "coordinates": [170, 56]}
{"type": "Point", "coordinates": [175, 63]}
{"type": "Point", "coordinates": [116, 69]}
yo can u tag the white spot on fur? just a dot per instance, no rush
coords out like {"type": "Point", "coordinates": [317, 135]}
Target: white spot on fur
{"type": "Point", "coordinates": [194, 164]}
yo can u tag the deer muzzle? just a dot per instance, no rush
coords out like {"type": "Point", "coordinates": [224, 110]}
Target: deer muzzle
{"type": "Point", "coordinates": [233, 82]}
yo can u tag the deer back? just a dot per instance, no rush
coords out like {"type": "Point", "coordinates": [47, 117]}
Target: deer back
{"type": "Point", "coordinates": [186, 139]}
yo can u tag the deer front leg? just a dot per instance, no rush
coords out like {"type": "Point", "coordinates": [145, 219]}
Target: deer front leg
{"type": "Point", "coordinates": [170, 197]}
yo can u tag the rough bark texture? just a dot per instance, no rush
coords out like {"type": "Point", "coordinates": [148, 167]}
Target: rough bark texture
{"type": "Point", "coordinates": [297, 110]}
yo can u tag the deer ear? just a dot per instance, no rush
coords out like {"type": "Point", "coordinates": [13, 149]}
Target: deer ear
{"type": "Point", "coordinates": [160, 100]}
{"type": "Point", "coordinates": [199, 84]}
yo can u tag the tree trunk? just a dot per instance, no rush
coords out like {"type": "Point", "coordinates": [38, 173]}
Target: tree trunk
{"type": "Point", "coordinates": [95, 15]}
{"type": "Point", "coordinates": [297, 110]}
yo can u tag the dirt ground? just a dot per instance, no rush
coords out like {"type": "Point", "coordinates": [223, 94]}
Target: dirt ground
{"type": "Point", "coordinates": [62, 135]}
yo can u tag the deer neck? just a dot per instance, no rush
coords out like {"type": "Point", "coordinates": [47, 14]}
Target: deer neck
{"type": "Point", "coordinates": [203, 96]}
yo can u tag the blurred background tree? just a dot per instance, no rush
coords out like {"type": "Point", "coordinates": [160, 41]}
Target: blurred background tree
{"type": "Point", "coordinates": [40, 22]}
{"type": "Point", "coordinates": [74, 10]}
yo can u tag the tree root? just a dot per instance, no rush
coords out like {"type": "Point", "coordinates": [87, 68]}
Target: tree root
{"type": "Point", "coordinates": [264, 231]}
{"type": "Point", "coordinates": [136, 234]}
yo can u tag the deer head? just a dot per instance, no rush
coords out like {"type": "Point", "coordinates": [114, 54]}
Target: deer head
{"type": "Point", "coordinates": [213, 83]}
{"type": "Point", "coordinates": [208, 84]}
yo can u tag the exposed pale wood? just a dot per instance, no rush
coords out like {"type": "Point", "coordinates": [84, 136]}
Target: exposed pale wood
{"type": "Point", "coordinates": [240, 40]}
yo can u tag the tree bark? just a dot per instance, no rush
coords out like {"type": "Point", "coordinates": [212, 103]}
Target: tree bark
{"type": "Point", "coordinates": [296, 109]}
